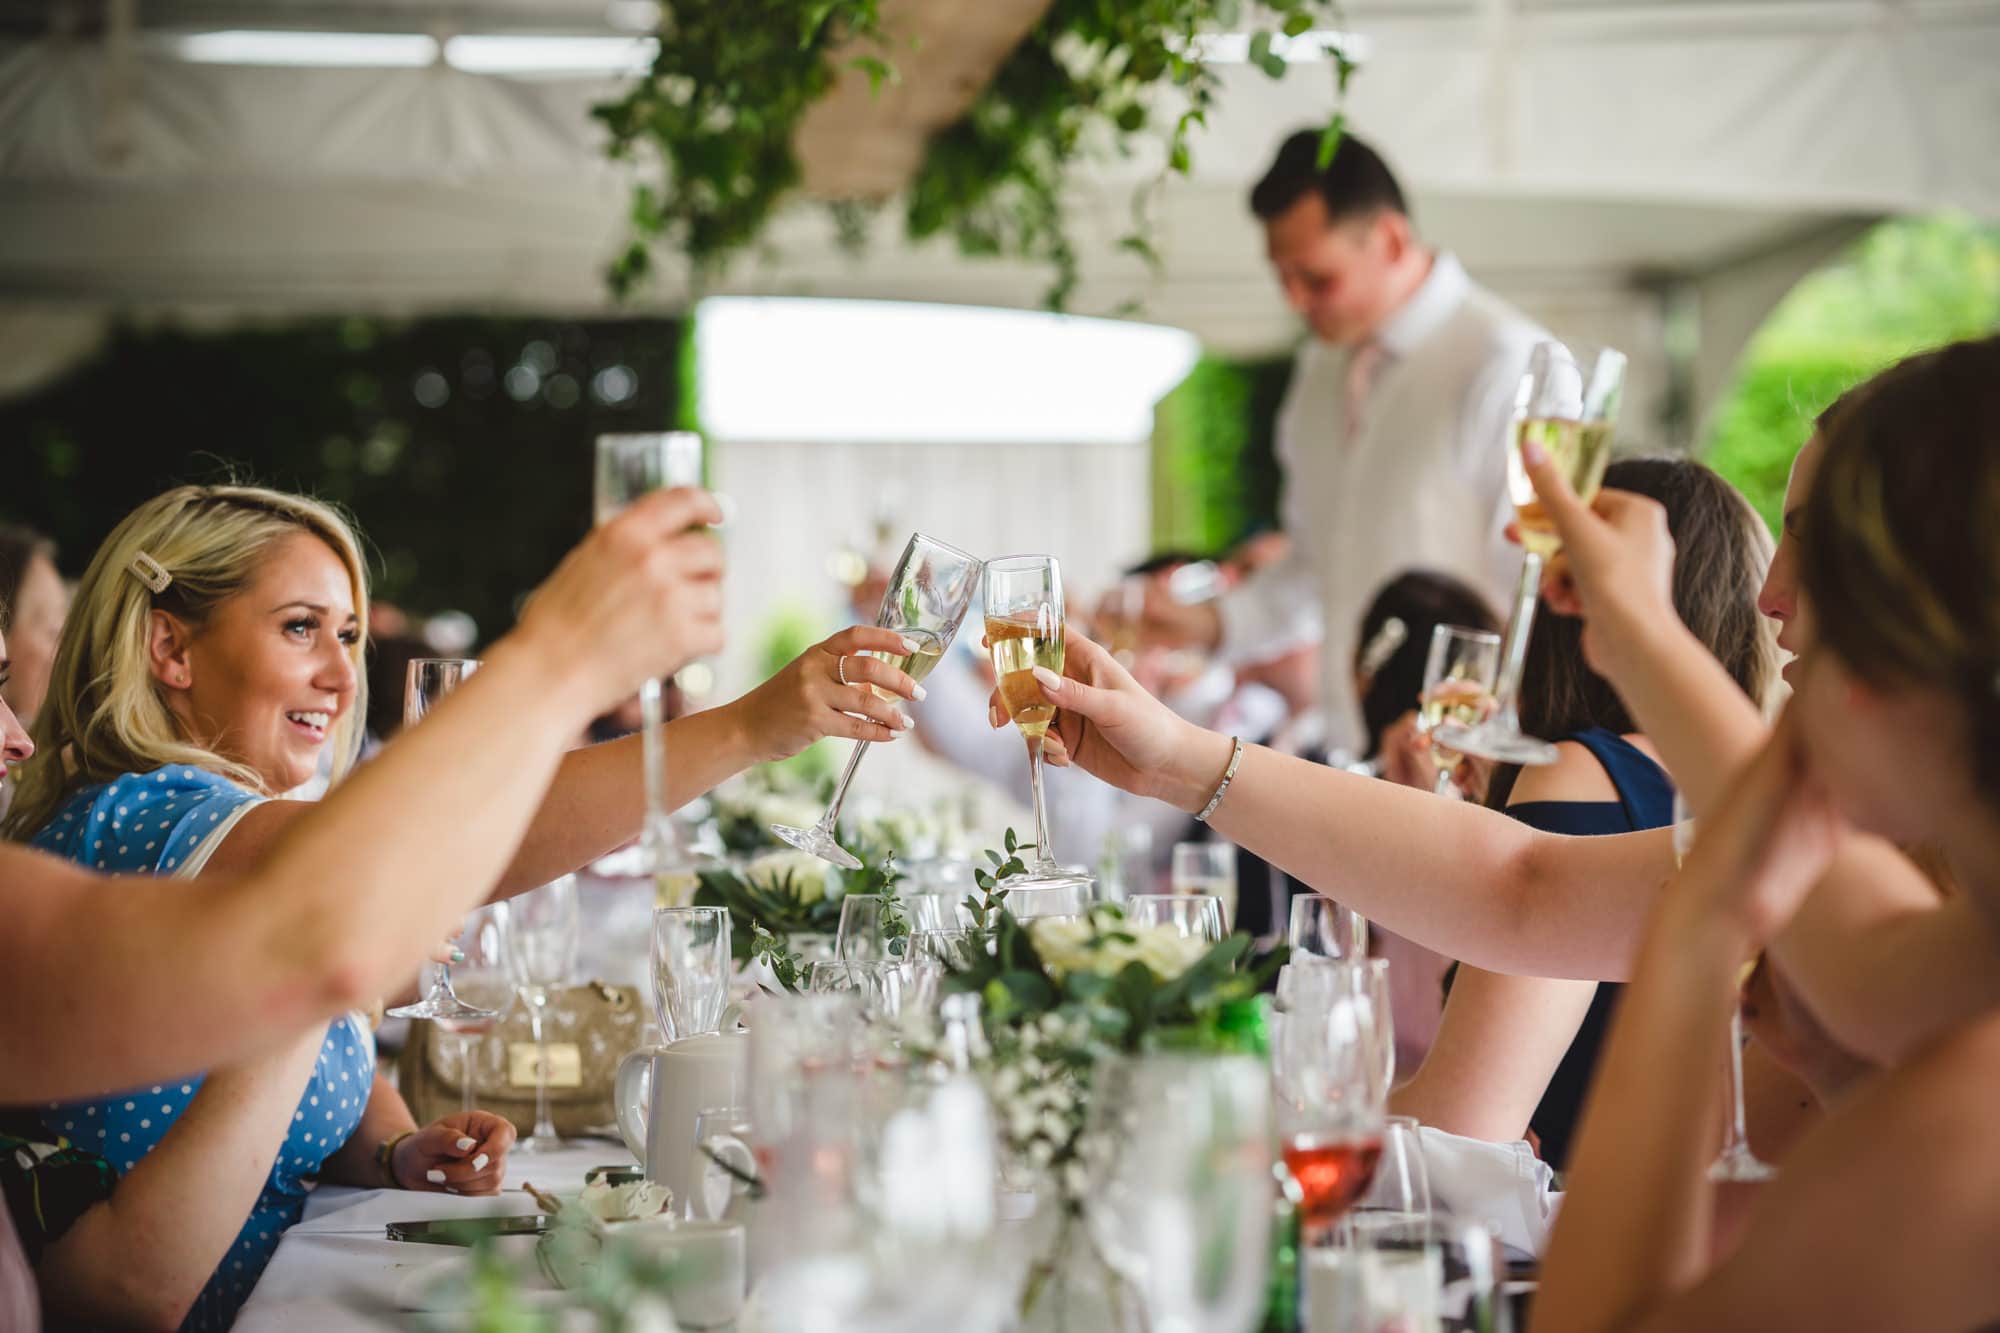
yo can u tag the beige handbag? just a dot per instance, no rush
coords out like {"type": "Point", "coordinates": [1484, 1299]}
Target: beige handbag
{"type": "Point", "coordinates": [589, 1029]}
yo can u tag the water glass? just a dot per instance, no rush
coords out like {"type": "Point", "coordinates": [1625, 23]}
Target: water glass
{"type": "Point", "coordinates": [1207, 868]}
{"type": "Point", "coordinates": [1180, 1154]}
{"type": "Point", "coordinates": [691, 968]}
{"type": "Point", "coordinates": [1064, 898]}
{"type": "Point", "coordinates": [862, 937]}
{"type": "Point", "coordinates": [1438, 1274]}
{"type": "Point", "coordinates": [1323, 928]}
{"type": "Point", "coordinates": [1195, 915]}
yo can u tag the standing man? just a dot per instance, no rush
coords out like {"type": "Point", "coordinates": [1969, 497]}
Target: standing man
{"type": "Point", "coordinates": [1393, 431]}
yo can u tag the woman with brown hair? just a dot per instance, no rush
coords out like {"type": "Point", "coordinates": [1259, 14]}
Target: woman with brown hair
{"type": "Point", "coordinates": [1515, 1053]}
{"type": "Point", "coordinates": [1893, 729]}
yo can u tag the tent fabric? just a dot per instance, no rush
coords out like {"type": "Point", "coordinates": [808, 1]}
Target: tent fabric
{"type": "Point", "coordinates": [1567, 149]}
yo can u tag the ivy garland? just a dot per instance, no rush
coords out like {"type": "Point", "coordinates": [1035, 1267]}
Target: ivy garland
{"type": "Point", "coordinates": [718, 110]}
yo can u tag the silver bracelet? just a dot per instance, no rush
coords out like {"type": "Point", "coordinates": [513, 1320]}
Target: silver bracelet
{"type": "Point", "coordinates": [1235, 758]}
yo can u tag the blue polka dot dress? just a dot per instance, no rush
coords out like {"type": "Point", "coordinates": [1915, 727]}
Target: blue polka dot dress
{"type": "Point", "coordinates": [166, 822]}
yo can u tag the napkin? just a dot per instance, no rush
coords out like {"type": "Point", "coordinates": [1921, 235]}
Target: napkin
{"type": "Point", "coordinates": [1501, 1183]}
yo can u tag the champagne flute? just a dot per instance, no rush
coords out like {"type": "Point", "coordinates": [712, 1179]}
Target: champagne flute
{"type": "Point", "coordinates": [481, 980]}
{"type": "Point", "coordinates": [927, 597]}
{"type": "Point", "coordinates": [540, 935]}
{"type": "Point", "coordinates": [629, 466]}
{"type": "Point", "coordinates": [428, 680]}
{"type": "Point", "coordinates": [1458, 687]}
{"type": "Point", "coordinates": [1737, 1161]}
{"type": "Point", "coordinates": [1567, 403]}
{"type": "Point", "coordinates": [1024, 630]}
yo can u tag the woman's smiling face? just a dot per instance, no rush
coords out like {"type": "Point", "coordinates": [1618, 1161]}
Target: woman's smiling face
{"type": "Point", "coordinates": [265, 681]}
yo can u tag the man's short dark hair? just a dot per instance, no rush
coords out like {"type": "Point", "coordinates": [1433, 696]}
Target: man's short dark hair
{"type": "Point", "coordinates": [1356, 184]}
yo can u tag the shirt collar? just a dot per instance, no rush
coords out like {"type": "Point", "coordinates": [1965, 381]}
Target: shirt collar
{"type": "Point", "coordinates": [1440, 293]}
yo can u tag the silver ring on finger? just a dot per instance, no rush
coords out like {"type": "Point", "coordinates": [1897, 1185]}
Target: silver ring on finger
{"type": "Point", "coordinates": [840, 670]}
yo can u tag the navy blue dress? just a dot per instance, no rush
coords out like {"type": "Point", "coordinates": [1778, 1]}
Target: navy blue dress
{"type": "Point", "coordinates": [1645, 801]}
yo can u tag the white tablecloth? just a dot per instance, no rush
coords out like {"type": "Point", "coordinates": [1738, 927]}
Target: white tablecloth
{"type": "Point", "coordinates": [336, 1271]}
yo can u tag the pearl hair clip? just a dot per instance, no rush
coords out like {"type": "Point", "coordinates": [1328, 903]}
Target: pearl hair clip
{"type": "Point", "coordinates": [150, 572]}
{"type": "Point", "coordinates": [1391, 636]}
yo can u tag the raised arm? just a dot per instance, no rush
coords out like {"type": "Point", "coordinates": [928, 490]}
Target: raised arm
{"type": "Point", "coordinates": [1465, 881]}
{"type": "Point", "coordinates": [110, 982]}
{"type": "Point", "coordinates": [1872, 951]}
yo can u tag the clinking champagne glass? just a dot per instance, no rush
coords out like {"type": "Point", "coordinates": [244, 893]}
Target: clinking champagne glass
{"type": "Point", "coordinates": [1458, 687]}
{"type": "Point", "coordinates": [927, 597]}
{"type": "Point", "coordinates": [1737, 1161]}
{"type": "Point", "coordinates": [629, 466]}
{"type": "Point", "coordinates": [1024, 630]}
{"type": "Point", "coordinates": [1567, 403]}
{"type": "Point", "coordinates": [430, 679]}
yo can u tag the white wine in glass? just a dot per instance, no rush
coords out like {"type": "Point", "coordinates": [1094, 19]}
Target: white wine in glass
{"type": "Point", "coordinates": [1568, 403]}
{"type": "Point", "coordinates": [1024, 630]}
{"type": "Point", "coordinates": [1458, 688]}
{"type": "Point", "coordinates": [927, 597]}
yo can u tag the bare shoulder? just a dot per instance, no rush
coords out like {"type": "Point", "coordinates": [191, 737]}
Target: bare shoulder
{"type": "Point", "coordinates": [1574, 776]}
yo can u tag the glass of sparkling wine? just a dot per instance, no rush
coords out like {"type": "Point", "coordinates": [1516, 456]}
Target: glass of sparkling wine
{"type": "Point", "coordinates": [430, 679]}
{"type": "Point", "coordinates": [927, 597]}
{"type": "Point", "coordinates": [1737, 1161]}
{"type": "Point", "coordinates": [538, 939]}
{"type": "Point", "coordinates": [1024, 630]}
{"type": "Point", "coordinates": [1567, 403]}
{"type": "Point", "coordinates": [629, 466]}
{"type": "Point", "coordinates": [1458, 687]}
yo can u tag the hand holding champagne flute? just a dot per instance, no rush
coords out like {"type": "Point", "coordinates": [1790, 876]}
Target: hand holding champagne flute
{"type": "Point", "coordinates": [1458, 687]}
{"type": "Point", "coordinates": [1024, 630]}
{"type": "Point", "coordinates": [1567, 405]}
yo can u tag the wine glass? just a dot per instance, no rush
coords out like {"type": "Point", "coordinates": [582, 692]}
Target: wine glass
{"type": "Point", "coordinates": [1322, 928]}
{"type": "Point", "coordinates": [1194, 916]}
{"type": "Point", "coordinates": [1179, 1146]}
{"type": "Point", "coordinates": [539, 934]}
{"type": "Point", "coordinates": [1024, 630]}
{"type": "Point", "coordinates": [1065, 898]}
{"type": "Point", "coordinates": [1567, 403]}
{"type": "Point", "coordinates": [1737, 1161]}
{"type": "Point", "coordinates": [1207, 868]}
{"type": "Point", "coordinates": [629, 466]}
{"type": "Point", "coordinates": [1402, 1185]}
{"type": "Point", "coordinates": [927, 597]}
{"type": "Point", "coordinates": [1458, 687]}
{"type": "Point", "coordinates": [481, 981]}
{"type": "Point", "coordinates": [1330, 1102]}
{"type": "Point", "coordinates": [428, 680]}
{"type": "Point", "coordinates": [861, 938]}
{"type": "Point", "coordinates": [691, 964]}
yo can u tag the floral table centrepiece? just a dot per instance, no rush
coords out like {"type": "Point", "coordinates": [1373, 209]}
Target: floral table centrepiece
{"type": "Point", "coordinates": [1064, 996]}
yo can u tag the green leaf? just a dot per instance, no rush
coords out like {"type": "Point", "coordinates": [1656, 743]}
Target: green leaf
{"type": "Point", "coordinates": [1329, 139]}
{"type": "Point", "coordinates": [1260, 48]}
{"type": "Point", "coordinates": [878, 70]}
{"type": "Point", "coordinates": [1298, 23]}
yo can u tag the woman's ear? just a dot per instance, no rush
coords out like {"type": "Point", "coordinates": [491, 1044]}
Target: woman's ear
{"type": "Point", "coordinates": [167, 650]}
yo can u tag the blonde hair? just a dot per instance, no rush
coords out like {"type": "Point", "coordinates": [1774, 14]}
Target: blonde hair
{"type": "Point", "coordinates": [105, 714]}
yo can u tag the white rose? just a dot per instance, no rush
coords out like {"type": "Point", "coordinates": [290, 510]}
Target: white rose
{"type": "Point", "coordinates": [806, 872]}
{"type": "Point", "coordinates": [1064, 944]}
{"type": "Point", "coordinates": [1166, 952]}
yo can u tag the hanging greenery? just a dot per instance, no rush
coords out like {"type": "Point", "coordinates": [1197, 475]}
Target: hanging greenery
{"type": "Point", "coordinates": [718, 111]}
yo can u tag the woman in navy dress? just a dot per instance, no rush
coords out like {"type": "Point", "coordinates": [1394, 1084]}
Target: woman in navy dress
{"type": "Point", "coordinates": [1515, 1054]}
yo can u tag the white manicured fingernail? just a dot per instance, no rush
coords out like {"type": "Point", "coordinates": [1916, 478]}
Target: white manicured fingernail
{"type": "Point", "coordinates": [1049, 679]}
{"type": "Point", "coordinates": [479, 1162]}
{"type": "Point", "coordinates": [463, 1144]}
{"type": "Point", "coordinates": [903, 722]}
{"type": "Point", "coordinates": [451, 1189]}
{"type": "Point", "coordinates": [922, 694]}
{"type": "Point", "coordinates": [435, 1176]}
{"type": "Point", "coordinates": [910, 645]}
